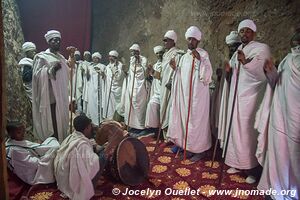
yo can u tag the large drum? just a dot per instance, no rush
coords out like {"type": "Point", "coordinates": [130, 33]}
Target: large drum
{"type": "Point", "coordinates": [128, 159]}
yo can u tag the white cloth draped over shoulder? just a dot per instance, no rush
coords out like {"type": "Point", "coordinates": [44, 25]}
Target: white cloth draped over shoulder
{"type": "Point", "coordinates": [281, 168]}
{"type": "Point", "coordinates": [166, 75]}
{"type": "Point", "coordinates": [199, 137]}
{"type": "Point", "coordinates": [85, 67]}
{"type": "Point", "coordinates": [47, 90]}
{"type": "Point", "coordinates": [94, 93]}
{"type": "Point", "coordinates": [77, 82]}
{"type": "Point", "coordinates": [152, 113]}
{"type": "Point", "coordinates": [27, 86]}
{"type": "Point", "coordinates": [139, 94]}
{"type": "Point", "coordinates": [242, 142]}
{"type": "Point", "coordinates": [113, 90]}
{"type": "Point", "coordinates": [75, 166]}
{"type": "Point", "coordinates": [32, 162]}
{"type": "Point", "coordinates": [222, 121]}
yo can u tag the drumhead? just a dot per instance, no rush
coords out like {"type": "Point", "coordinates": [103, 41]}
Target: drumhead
{"type": "Point", "coordinates": [132, 161]}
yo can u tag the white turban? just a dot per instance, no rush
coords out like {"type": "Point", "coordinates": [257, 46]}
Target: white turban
{"type": "Point", "coordinates": [171, 34]}
{"type": "Point", "coordinates": [28, 46]}
{"type": "Point", "coordinates": [113, 53]}
{"type": "Point", "coordinates": [52, 34]}
{"type": "Point", "coordinates": [86, 53]}
{"type": "Point", "coordinates": [247, 23]}
{"type": "Point", "coordinates": [96, 55]}
{"type": "Point", "coordinates": [135, 47]}
{"type": "Point", "coordinates": [194, 32]}
{"type": "Point", "coordinates": [158, 49]}
{"type": "Point", "coordinates": [77, 53]}
{"type": "Point", "coordinates": [232, 38]}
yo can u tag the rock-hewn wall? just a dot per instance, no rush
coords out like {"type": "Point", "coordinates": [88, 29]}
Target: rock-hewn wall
{"type": "Point", "coordinates": [18, 104]}
{"type": "Point", "coordinates": [118, 23]}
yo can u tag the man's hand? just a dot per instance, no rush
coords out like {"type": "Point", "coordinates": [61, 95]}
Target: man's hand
{"type": "Point", "coordinates": [173, 63]}
{"type": "Point", "coordinates": [269, 66]}
{"type": "Point", "coordinates": [196, 54]}
{"type": "Point", "coordinates": [226, 66]}
{"type": "Point", "coordinates": [241, 57]}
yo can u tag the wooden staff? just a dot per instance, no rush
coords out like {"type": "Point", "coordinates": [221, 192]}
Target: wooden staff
{"type": "Point", "coordinates": [189, 108]}
{"type": "Point", "coordinates": [99, 98]}
{"type": "Point", "coordinates": [134, 72]}
{"type": "Point", "coordinates": [71, 63]}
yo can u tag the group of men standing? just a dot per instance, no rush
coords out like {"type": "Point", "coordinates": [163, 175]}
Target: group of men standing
{"type": "Point", "coordinates": [258, 122]}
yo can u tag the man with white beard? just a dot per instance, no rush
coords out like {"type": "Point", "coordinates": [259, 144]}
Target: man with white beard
{"type": "Point", "coordinates": [136, 91]}
{"type": "Point", "coordinates": [113, 88]}
{"type": "Point", "coordinates": [152, 115]}
{"type": "Point", "coordinates": [26, 63]}
{"type": "Point", "coordinates": [252, 82]}
{"type": "Point", "coordinates": [189, 126]}
{"type": "Point", "coordinates": [281, 166]}
{"type": "Point", "coordinates": [94, 89]}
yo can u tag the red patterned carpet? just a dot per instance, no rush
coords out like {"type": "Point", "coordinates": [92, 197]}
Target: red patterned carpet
{"type": "Point", "coordinates": [167, 174]}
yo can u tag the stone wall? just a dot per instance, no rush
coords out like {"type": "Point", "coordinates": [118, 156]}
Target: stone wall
{"type": "Point", "coordinates": [118, 23]}
{"type": "Point", "coordinates": [18, 105]}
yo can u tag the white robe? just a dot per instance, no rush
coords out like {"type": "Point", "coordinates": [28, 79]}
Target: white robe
{"type": "Point", "coordinates": [152, 113]}
{"type": "Point", "coordinates": [77, 84]}
{"type": "Point", "coordinates": [113, 90]}
{"type": "Point", "coordinates": [27, 86]}
{"type": "Point", "coordinates": [166, 75]}
{"type": "Point", "coordinates": [75, 166]}
{"type": "Point", "coordinates": [94, 92]}
{"type": "Point", "coordinates": [282, 165]}
{"type": "Point", "coordinates": [242, 142]}
{"type": "Point", "coordinates": [45, 90]}
{"type": "Point", "coordinates": [199, 137]}
{"type": "Point", "coordinates": [139, 94]}
{"type": "Point", "coordinates": [32, 162]}
{"type": "Point", "coordinates": [85, 66]}
{"type": "Point", "coordinates": [222, 119]}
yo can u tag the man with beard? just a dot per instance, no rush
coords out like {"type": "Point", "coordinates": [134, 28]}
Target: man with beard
{"type": "Point", "coordinates": [189, 126]}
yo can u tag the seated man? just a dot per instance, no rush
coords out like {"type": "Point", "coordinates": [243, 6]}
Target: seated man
{"type": "Point", "coordinates": [31, 162]}
{"type": "Point", "coordinates": [77, 167]}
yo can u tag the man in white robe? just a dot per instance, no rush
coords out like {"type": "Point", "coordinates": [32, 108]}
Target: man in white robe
{"type": "Point", "coordinates": [77, 167]}
{"type": "Point", "coordinates": [233, 41]}
{"type": "Point", "coordinates": [281, 167]}
{"type": "Point", "coordinates": [136, 92]}
{"type": "Point", "coordinates": [31, 162]}
{"type": "Point", "coordinates": [94, 90]}
{"type": "Point", "coordinates": [50, 98]}
{"type": "Point", "coordinates": [189, 125]}
{"type": "Point", "coordinates": [87, 58]}
{"type": "Point", "coordinates": [77, 82]}
{"type": "Point", "coordinates": [152, 113]}
{"type": "Point", "coordinates": [166, 75]}
{"type": "Point", "coordinates": [113, 88]}
{"type": "Point", "coordinates": [242, 142]}
{"type": "Point", "coordinates": [25, 65]}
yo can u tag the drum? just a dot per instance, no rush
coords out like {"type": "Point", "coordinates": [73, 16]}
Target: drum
{"type": "Point", "coordinates": [130, 162]}
{"type": "Point", "coordinates": [128, 159]}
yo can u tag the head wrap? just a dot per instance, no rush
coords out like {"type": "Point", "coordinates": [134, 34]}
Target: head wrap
{"type": "Point", "coordinates": [232, 38]}
{"type": "Point", "coordinates": [135, 47]}
{"type": "Point", "coordinates": [28, 46]}
{"type": "Point", "coordinates": [113, 53]}
{"type": "Point", "coordinates": [97, 55]}
{"type": "Point", "coordinates": [86, 53]}
{"type": "Point", "coordinates": [171, 34]}
{"type": "Point", "coordinates": [158, 49]}
{"type": "Point", "coordinates": [77, 52]}
{"type": "Point", "coordinates": [247, 23]}
{"type": "Point", "coordinates": [194, 32]}
{"type": "Point", "coordinates": [52, 34]}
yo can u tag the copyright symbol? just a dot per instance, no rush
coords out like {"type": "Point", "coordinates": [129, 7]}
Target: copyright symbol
{"type": "Point", "coordinates": [116, 191]}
